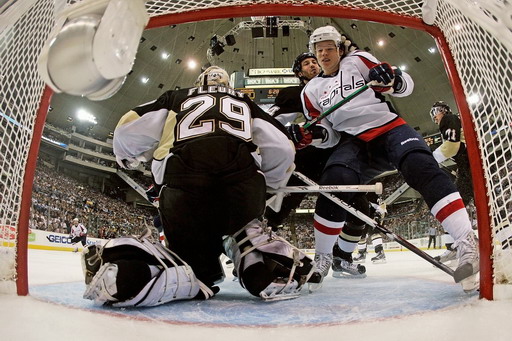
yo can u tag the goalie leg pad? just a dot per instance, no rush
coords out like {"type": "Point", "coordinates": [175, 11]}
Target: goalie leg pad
{"type": "Point", "coordinates": [284, 268]}
{"type": "Point", "coordinates": [138, 272]}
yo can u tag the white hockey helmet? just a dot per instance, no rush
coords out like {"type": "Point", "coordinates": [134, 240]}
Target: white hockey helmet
{"type": "Point", "coordinates": [322, 34]}
{"type": "Point", "coordinates": [213, 75]}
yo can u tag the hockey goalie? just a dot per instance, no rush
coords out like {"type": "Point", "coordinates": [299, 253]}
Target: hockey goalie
{"type": "Point", "coordinates": [213, 154]}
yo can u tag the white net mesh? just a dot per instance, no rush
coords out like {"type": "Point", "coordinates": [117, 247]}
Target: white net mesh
{"type": "Point", "coordinates": [483, 63]}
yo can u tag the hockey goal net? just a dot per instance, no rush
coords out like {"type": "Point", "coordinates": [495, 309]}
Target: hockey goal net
{"type": "Point", "coordinates": [474, 38]}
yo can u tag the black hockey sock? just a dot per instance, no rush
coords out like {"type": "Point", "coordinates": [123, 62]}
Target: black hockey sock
{"type": "Point", "coordinates": [379, 248]}
{"type": "Point", "coordinates": [337, 252]}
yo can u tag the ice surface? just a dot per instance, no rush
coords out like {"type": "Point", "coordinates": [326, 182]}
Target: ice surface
{"type": "Point", "coordinates": [402, 299]}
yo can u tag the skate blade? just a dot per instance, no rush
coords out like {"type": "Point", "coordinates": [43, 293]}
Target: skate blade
{"type": "Point", "coordinates": [359, 261]}
{"type": "Point", "coordinates": [312, 287]}
{"type": "Point", "coordinates": [463, 272]}
{"type": "Point", "coordinates": [470, 284]}
{"type": "Point", "coordinates": [337, 274]}
{"type": "Point", "coordinates": [279, 297]}
{"type": "Point", "coordinates": [379, 261]}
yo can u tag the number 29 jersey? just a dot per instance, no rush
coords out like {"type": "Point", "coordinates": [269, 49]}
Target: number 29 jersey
{"type": "Point", "coordinates": [153, 131]}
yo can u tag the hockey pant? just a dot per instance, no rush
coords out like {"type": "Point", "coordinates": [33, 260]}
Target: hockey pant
{"type": "Point", "coordinates": [266, 264]}
{"type": "Point", "coordinates": [209, 193]}
{"type": "Point", "coordinates": [136, 272]}
{"type": "Point", "coordinates": [358, 162]}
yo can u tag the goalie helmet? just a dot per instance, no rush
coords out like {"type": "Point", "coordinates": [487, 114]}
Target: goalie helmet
{"type": "Point", "coordinates": [437, 108]}
{"type": "Point", "coordinates": [322, 34]}
{"type": "Point", "coordinates": [213, 75]}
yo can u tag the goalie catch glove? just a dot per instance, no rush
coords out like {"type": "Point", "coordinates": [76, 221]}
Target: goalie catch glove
{"type": "Point", "coordinates": [386, 79]}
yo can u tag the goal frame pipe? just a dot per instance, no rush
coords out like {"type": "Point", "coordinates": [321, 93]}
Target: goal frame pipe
{"type": "Point", "coordinates": [344, 12]}
{"type": "Point", "coordinates": [26, 197]}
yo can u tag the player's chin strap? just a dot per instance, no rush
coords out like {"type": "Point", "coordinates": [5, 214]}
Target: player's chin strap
{"type": "Point", "coordinates": [171, 278]}
{"type": "Point", "coordinates": [275, 250]}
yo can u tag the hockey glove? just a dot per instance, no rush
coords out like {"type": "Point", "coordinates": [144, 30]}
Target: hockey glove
{"type": "Point", "coordinates": [383, 76]}
{"type": "Point", "coordinates": [301, 138]}
{"type": "Point", "coordinates": [129, 163]}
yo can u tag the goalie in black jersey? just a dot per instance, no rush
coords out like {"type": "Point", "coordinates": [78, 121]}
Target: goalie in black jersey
{"type": "Point", "coordinates": [213, 153]}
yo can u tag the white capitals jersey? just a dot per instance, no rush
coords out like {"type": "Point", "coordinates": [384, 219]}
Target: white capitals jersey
{"type": "Point", "coordinates": [78, 230]}
{"type": "Point", "coordinates": [367, 115]}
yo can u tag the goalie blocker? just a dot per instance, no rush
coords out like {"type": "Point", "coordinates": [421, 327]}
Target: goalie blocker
{"type": "Point", "coordinates": [130, 271]}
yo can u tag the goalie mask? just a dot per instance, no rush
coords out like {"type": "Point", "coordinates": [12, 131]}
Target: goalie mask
{"type": "Point", "coordinates": [439, 107]}
{"type": "Point", "coordinates": [213, 75]}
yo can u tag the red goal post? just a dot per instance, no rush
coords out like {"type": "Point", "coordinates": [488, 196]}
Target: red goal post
{"type": "Point", "coordinates": [476, 51]}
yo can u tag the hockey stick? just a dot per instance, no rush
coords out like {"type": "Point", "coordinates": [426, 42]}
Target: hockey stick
{"type": "Point", "coordinates": [377, 188]}
{"type": "Point", "coordinates": [390, 234]}
{"type": "Point", "coordinates": [339, 104]}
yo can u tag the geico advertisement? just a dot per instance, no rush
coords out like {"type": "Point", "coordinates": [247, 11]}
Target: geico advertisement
{"type": "Point", "coordinates": [44, 238]}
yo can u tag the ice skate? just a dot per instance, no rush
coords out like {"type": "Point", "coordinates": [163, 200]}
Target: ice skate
{"type": "Point", "coordinates": [468, 255]}
{"type": "Point", "coordinates": [447, 256]}
{"type": "Point", "coordinates": [323, 262]}
{"type": "Point", "coordinates": [360, 257]}
{"type": "Point", "coordinates": [380, 257]}
{"type": "Point", "coordinates": [344, 267]}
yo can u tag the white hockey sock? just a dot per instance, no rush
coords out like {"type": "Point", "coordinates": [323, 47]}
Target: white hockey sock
{"type": "Point", "coordinates": [376, 241]}
{"type": "Point", "coordinates": [326, 233]}
{"type": "Point", "coordinates": [347, 246]}
{"type": "Point", "coordinates": [452, 215]}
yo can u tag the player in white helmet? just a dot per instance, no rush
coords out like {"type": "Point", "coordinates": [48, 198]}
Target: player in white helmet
{"type": "Point", "coordinates": [375, 139]}
{"type": "Point", "coordinates": [78, 233]}
{"type": "Point", "coordinates": [213, 153]}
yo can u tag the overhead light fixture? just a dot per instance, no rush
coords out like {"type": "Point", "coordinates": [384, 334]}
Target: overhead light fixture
{"type": "Point", "coordinates": [380, 42]}
{"type": "Point", "coordinates": [84, 115]}
{"type": "Point", "coordinates": [178, 61]}
{"type": "Point", "coordinates": [191, 38]}
{"type": "Point", "coordinates": [353, 26]}
{"type": "Point", "coordinates": [403, 67]}
{"type": "Point", "coordinates": [165, 55]}
{"type": "Point", "coordinates": [144, 79]}
{"type": "Point", "coordinates": [191, 64]}
{"type": "Point", "coordinates": [432, 50]}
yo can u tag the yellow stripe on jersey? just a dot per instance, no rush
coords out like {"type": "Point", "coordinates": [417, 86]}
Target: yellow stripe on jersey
{"type": "Point", "coordinates": [130, 116]}
{"type": "Point", "coordinates": [168, 138]}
